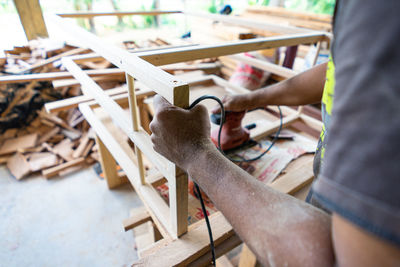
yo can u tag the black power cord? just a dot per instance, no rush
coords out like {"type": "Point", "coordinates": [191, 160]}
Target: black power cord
{"type": "Point", "coordinates": [198, 100]}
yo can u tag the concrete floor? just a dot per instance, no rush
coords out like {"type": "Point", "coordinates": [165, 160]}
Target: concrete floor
{"type": "Point", "coordinates": [67, 221]}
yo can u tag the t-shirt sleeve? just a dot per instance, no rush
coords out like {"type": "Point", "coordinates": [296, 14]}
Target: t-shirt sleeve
{"type": "Point", "coordinates": [360, 175]}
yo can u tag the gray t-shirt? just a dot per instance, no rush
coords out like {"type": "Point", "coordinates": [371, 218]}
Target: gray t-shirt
{"type": "Point", "coordinates": [360, 174]}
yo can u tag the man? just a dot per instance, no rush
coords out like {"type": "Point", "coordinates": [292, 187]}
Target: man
{"type": "Point", "coordinates": [358, 181]}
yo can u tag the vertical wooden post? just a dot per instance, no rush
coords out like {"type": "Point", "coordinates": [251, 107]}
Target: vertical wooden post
{"type": "Point", "coordinates": [135, 124]}
{"type": "Point", "coordinates": [317, 53]}
{"type": "Point", "coordinates": [109, 166]}
{"type": "Point", "coordinates": [178, 189]}
{"type": "Point", "coordinates": [31, 17]}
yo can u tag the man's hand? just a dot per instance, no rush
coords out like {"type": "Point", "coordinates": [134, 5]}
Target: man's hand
{"type": "Point", "coordinates": [235, 103]}
{"type": "Point", "coordinates": [178, 134]}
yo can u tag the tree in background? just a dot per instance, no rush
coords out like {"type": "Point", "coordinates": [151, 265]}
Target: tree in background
{"type": "Point", "coordinates": [85, 5]}
{"type": "Point", "coordinates": [115, 6]}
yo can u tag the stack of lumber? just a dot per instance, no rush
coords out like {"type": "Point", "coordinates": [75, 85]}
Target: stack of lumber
{"type": "Point", "coordinates": [283, 16]}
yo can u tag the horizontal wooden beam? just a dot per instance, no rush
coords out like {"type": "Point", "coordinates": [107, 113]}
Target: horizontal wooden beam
{"type": "Point", "coordinates": [117, 13]}
{"type": "Point", "coordinates": [116, 93]}
{"type": "Point", "coordinates": [51, 76]}
{"type": "Point", "coordinates": [164, 57]}
{"type": "Point", "coordinates": [265, 65]}
{"type": "Point", "coordinates": [138, 216]}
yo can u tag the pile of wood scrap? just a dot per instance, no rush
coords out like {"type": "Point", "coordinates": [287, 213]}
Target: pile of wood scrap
{"type": "Point", "coordinates": [32, 140]}
{"type": "Point", "coordinates": [50, 144]}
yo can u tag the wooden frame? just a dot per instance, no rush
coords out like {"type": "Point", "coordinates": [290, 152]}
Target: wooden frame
{"type": "Point", "coordinates": [170, 220]}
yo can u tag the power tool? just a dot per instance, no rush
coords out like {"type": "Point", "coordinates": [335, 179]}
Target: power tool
{"type": "Point", "coordinates": [233, 134]}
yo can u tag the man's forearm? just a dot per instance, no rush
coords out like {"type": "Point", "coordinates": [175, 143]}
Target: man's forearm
{"type": "Point", "coordinates": [302, 89]}
{"type": "Point", "coordinates": [278, 228]}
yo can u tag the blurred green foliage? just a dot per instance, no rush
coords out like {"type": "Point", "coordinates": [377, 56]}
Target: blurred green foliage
{"type": "Point", "coordinates": [315, 6]}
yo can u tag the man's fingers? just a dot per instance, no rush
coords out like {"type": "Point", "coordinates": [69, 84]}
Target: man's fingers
{"type": "Point", "coordinates": [160, 103]}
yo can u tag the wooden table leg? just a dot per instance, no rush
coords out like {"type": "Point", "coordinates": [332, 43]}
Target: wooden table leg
{"type": "Point", "coordinates": [109, 167]}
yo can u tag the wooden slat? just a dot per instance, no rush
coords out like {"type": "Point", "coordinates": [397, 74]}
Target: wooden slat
{"type": "Point", "coordinates": [48, 173]}
{"type": "Point", "coordinates": [207, 51]}
{"type": "Point", "coordinates": [117, 14]}
{"type": "Point", "coordinates": [264, 130]}
{"type": "Point", "coordinates": [51, 76]}
{"type": "Point", "coordinates": [265, 65]}
{"type": "Point", "coordinates": [138, 217]}
{"type": "Point", "coordinates": [73, 102]}
{"type": "Point", "coordinates": [135, 124]}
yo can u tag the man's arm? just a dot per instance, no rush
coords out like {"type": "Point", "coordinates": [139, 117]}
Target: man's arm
{"type": "Point", "coordinates": [278, 228]}
{"type": "Point", "coordinates": [302, 89]}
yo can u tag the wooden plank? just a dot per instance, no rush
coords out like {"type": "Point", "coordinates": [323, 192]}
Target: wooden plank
{"type": "Point", "coordinates": [184, 54]}
{"type": "Point", "coordinates": [138, 217]}
{"type": "Point", "coordinates": [262, 131]}
{"type": "Point", "coordinates": [39, 161]}
{"type": "Point", "coordinates": [73, 102]}
{"type": "Point", "coordinates": [48, 173]}
{"type": "Point", "coordinates": [96, 57]}
{"type": "Point", "coordinates": [51, 76]}
{"type": "Point", "coordinates": [156, 206]}
{"type": "Point", "coordinates": [265, 65]}
{"type": "Point", "coordinates": [117, 13]}
{"type": "Point", "coordinates": [135, 124]}
{"type": "Point", "coordinates": [31, 17]}
{"type": "Point", "coordinates": [140, 138]}
{"type": "Point", "coordinates": [108, 166]}
{"type": "Point", "coordinates": [13, 144]}
{"type": "Point", "coordinates": [53, 59]}
{"type": "Point", "coordinates": [18, 166]}
{"type": "Point", "coordinates": [48, 135]}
